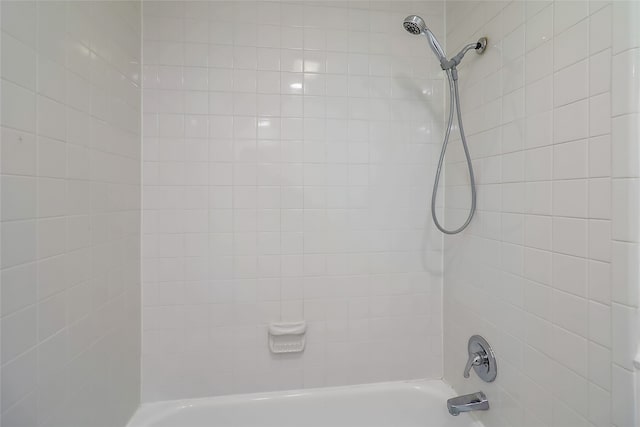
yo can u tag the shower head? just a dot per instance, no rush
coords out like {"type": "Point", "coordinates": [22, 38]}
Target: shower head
{"type": "Point", "coordinates": [414, 24]}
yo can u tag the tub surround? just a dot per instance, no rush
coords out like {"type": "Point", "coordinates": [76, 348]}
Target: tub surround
{"type": "Point", "coordinates": [71, 196]}
{"type": "Point", "coordinates": [546, 275]}
{"type": "Point", "coordinates": [178, 175]}
{"type": "Point", "coordinates": [289, 152]}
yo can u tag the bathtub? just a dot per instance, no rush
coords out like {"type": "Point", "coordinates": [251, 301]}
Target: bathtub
{"type": "Point", "coordinates": [398, 404]}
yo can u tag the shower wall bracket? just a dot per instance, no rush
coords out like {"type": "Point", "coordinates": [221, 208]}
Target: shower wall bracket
{"type": "Point", "coordinates": [482, 45]}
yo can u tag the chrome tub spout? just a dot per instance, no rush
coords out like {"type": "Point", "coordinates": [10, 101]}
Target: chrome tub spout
{"type": "Point", "coordinates": [469, 402]}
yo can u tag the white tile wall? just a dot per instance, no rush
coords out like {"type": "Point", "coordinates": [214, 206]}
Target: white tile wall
{"type": "Point", "coordinates": [625, 319]}
{"type": "Point", "coordinates": [559, 305]}
{"type": "Point", "coordinates": [288, 162]}
{"type": "Point", "coordinates": [288, 158]}
{"type": "Point", "coordinates": [70, 129]}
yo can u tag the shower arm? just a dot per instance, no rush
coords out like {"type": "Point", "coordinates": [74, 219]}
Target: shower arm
{"type": "Point", "coordinates": [452, 63]}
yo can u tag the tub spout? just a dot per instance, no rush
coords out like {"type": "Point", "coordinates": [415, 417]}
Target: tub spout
{"type": "Point", "coordinates": [469, 402]}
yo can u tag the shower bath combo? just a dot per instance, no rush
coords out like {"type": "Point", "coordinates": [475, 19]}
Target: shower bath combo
{"type": "Point", "coordinates": [481, 357]}
{"type": "Point", "coordinates": [416, 25]}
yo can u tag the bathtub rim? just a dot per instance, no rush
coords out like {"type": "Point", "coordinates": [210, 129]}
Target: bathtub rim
{"type": "Point", "coordinates": [149, 412]}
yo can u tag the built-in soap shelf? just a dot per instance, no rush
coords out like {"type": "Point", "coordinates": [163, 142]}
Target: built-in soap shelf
{"type": "Point", "coordinates": [287, 337]}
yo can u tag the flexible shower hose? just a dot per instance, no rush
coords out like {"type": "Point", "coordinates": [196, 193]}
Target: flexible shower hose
{"type": "Point", "coordinates": [454, 98]}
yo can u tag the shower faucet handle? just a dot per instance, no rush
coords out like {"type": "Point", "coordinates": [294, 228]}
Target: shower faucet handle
{"type": "Point", "coordinates": [481, 359]}
{"type": "Point", "coordinates": [475, 359]}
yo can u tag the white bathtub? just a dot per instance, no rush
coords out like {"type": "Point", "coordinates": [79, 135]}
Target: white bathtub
{"type": "Point", "coordinates": [397, 404]}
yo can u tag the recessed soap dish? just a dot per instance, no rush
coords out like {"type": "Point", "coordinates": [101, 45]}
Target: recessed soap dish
{"type": "Point", "coordinates": [287, 337]}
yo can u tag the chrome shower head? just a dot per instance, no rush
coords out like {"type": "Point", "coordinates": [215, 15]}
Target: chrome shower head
{"type": "Point", "coordinates": [414, 24]}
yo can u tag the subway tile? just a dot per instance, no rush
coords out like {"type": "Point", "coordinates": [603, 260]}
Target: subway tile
{"type": "Point", "coordinates": [538, 232]}
{"type": "Point", "coordinates": [623, 396]}
{"type": "Point", "coordinates": [538, 198]}
{"type": "Point", "coordinates": [571, 389]}
{"type": "Point", "coordinates": [624, 273]}
{"type": "Point", "coordinates": [539, 96]}
{"type": "Point", "coordinates": [537, 265]}
{"type": "Point", "coordinates": [600, 240]}
{"type": "Point", "coordinates": [600, 115]}
{"type": "Point", "coordinates": [19, 242]}
{"type": "Point", "coordinates": [624, 152]}
{"type": "Point", "coordinates": [600, 156]}
{"type": "Point", "coordinates": [600, 198]}
{"type": "Point", "coordinates": [19, 197]}
{"type": "Point", "coordinates": [19, 332]}
{"type": "Point", "coordinates": [18, 152]}
{"type": "Point", "coordinates": [572, 44]}
{"type": "Point", "coordinates": [539, 28]}
{"type": "Point", "coordinates": [570, 274]}
{"type": "Point", "coordinates": [537, 299]}
{"type": "Point", "coordinates": [570, 236]}
{"type": "Point", "coordinates": [568, 13]}
{"type": "Point", "coordinates": [570, 312]}
{"type": "Point", "coordinates": [624, 85]}
{"type": "Point", "coordinates": [568, 122]}
{"type": "Point", "coordinates": [570, 160]}
{"type": "Point", "coordinates": [19, 65]}
{"type": "Point", "coordinates": [600, 324]}
{"type": "Point", "coordinates": [625, 210]}
{"type": "Point", "coordinates": [570, 198]}
{"type": "Point", "coordinates": [600, 281]}
{"type": "Point", "coordinates": [572, 83]}
{"type": "Point", "coordinates": [539, 62]}
{"type": "Point", "coordinates": [600, 72]}
{"type": "Point", "coordinates": [625, 34]}
{"type": "Point", "coordinates": [539, 130]}
{"type": "Point", "coordinates": [600, 366]}
{"type": "Point", "coordinates": [624, 329]}
{"type": "Point", "coordinates": [18, 107]}
{"type": "Point", "coordinates": [19, 20]}
{"type": "Point", "coordinates": [600, 29]}
{"type": "Point", "coordinates": [539, 164]}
